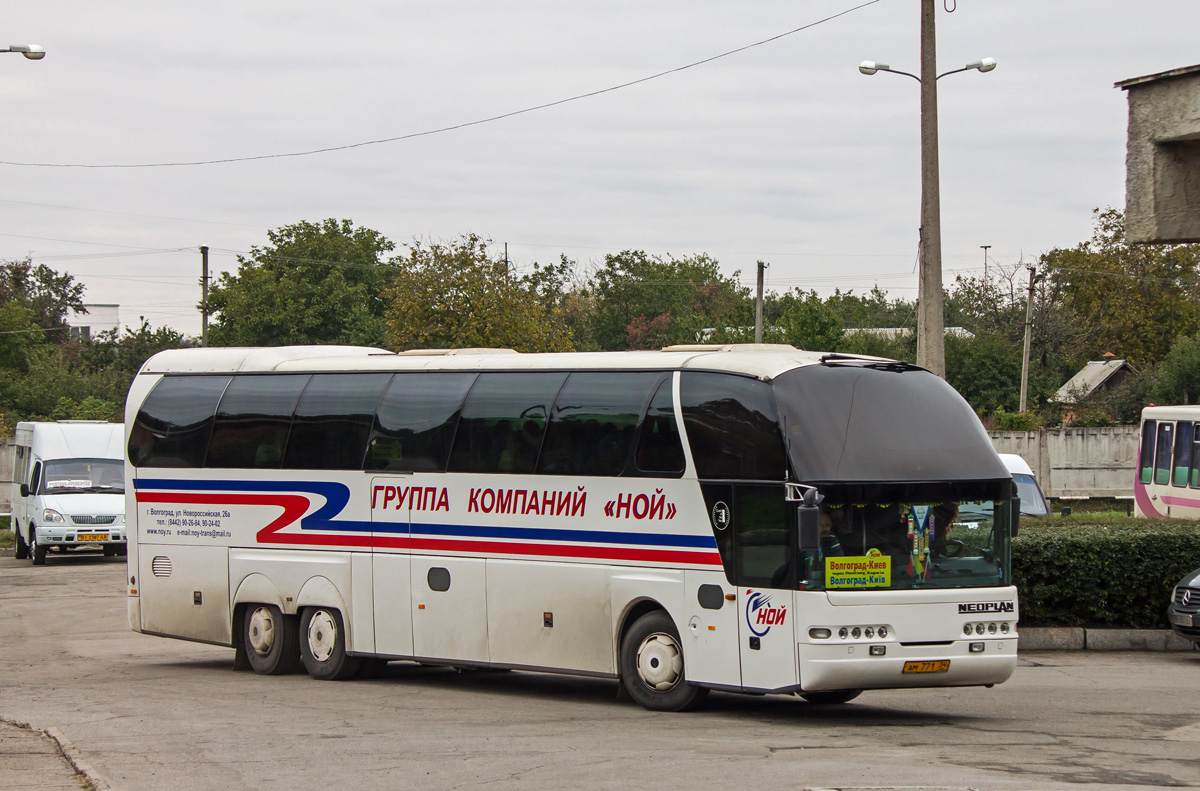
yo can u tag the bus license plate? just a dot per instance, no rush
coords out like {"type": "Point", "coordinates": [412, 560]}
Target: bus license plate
{"type": "Point", "coordinates": [1183, 619]}
{"type": "Point", "coordinates": [937, 666]}
{"type": "Point", "coordinates": [91, 537]}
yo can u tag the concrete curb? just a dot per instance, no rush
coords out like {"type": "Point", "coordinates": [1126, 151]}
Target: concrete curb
{"type": "Point", "coordinates": [1072, 638]}
{"type": "Point", "coordinates": [69, 753]}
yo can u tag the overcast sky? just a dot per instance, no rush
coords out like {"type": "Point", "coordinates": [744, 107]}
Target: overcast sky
{"type": "Point", "coordinates": [783, 152]}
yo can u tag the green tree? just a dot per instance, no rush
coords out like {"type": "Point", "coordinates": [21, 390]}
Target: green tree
{"type": "Point", "coordinates": [45, 294]}
{"type": "Point", "coordinates": [642, 301]}
{"type": "Point", "coordinates": [125, 353]}
{"type": "Point", "coordinates": [809, 322]}
{"type": "Point", "coordinates": [1176, 379]}
{"type": "Point", "coordinates": [18, 335]}
{"type": "Point", "coordinates": [1134, 300]}
{"type": "Point", "coordinates": [456, 295]}
{"type": "Point", "coordinates": [313, 283]}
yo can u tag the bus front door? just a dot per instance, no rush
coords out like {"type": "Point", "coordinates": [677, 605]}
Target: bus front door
{"type": "Point", "coordinates": [768, 645]}
{"type": "Point", "coordinates": [390, 571]}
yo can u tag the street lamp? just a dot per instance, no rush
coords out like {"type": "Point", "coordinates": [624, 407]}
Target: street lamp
{"type": "Point", "coordinates": [31, 51]}
{"type": "Point", "coordinates": [931, 341]}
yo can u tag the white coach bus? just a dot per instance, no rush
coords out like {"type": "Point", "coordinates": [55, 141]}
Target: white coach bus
{"type": "Point", "coordinates": [746, 518]}
{"type": "Point", "coordinates": [1167, 482]}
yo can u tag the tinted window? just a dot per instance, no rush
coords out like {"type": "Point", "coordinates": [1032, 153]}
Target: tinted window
{"type": "Point", "coordinates": [1162, 456]}
{"type": "Point", "coordinates": [173, 425]}
{"type": "Point", "coordinates": [1183, 455]}
{"type": "Point", "coordinates": [251, 427]}
{"type": "Point", "coordinates": [732, 427]}
{"type": "Point", "coordinates": [659, 450]}
{"type": "Point", "coordinates": [416, 420]}
{"type": "Point", "coordinates": [502, 422]}
{"type": "Point", "coordinates": [333, 421]}
{"type": "Point", "coordinates": [1146, 462]}
{"type": "Point", "coordinates": [591, 428]}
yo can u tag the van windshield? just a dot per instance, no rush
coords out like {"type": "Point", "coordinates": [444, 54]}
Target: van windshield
{"type": "Point", "coordinates": [84, 476]}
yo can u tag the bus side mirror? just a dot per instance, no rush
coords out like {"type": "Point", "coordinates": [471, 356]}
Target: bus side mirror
{"type": "Point", "coordinates": [24, 490]}
{"type": "Point", "coordinates": [1016, 514]}
{"type": "Point", "coordinates": [809, 520]}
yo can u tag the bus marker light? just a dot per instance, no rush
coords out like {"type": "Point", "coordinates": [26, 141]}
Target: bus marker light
{"type": "Point", "coordinates": [878, 650]}
{"type": "Point", "coordinates": [712, 628]}
{"type": "Point", "coordinates": [730, 597]}
{"type": "Point", "coordinates": [976, 648]}
{"type": "Point", "coordinates": [420, 606]}
{"type": "Point", "coordinates": [842, 633]}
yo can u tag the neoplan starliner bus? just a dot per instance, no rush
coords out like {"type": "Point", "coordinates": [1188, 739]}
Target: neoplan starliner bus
{"type": "Point", "coordinates": [747, 518]}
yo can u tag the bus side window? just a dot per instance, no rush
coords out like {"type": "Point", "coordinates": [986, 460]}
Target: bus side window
{"type": "Point", "coordinates": [503, 421]}
{"type": "Point", "coordinates": [591, 427]}
{"type": "Point", "coordinates": [732, 427]}
{"type": "Point", "coordinates": [1146, 462]}
{"type": "Point", "coordinates": [253, 419]}
{"type": "Point", "coordinates": [1194, 475]}
{"type": "Point", "coordinates": [415, 422]}
{"type": "Point", "coordinates": [1162, 456]}
{"type": "Point", "coordinates": [172, 428]}
{"type": "Point", "coordinates": [333, 421]}
{"type": "Point", "coordinates": [1183, 455]}
{"type": "Point", "coordinates": [659, 450]}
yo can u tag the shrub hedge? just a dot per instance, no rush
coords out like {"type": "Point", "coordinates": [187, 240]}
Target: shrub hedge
{"type": "Point", "coordinates": [1091, 571]}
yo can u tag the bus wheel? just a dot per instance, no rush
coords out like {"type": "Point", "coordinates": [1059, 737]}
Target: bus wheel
{"type": "Point", "coordinates": [37, 552]}
{"type": "Point", "coordinates": [272, 643]}
{"type": "Point", "coordinates": [323, 645]}
{"type": "Point", "coordinates": [831, 697]}
{"type": "Point", "coordinates": [22, 549]}
{"type": "Point", "coordinates": [652, 665]}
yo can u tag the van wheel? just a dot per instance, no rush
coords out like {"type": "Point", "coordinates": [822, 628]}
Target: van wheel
{"type": "Point", "coordinates": [271, 640]}
{"type": "Point", "coordinates": [37, 552]}
{"type": "Point", "coordinates": [323, 645]}
{"type": "Point", "coordinates": [22, 549]}
{"type": "Point", "coordinates": [652, 665]}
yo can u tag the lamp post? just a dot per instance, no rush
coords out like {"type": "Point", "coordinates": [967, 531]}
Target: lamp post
{"type": "Point", "coordinates": [31, 51]}
{"type": "Point", "coordinates": [931, 341]}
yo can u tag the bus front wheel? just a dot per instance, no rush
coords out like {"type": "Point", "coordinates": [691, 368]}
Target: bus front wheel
{"type": "Point", "coordinates": [652, 665]}
{"type": "Point", "coordinates": [323, 645]}
{"type": "Point", "coordinates": [271, 640]}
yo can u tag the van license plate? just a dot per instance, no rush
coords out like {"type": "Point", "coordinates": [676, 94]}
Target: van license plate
{"type": "Point", "coordinates": [937, 666]}
{"type": "Point", "coordinates": [1183, 619]}
{"type": "Point", "coordinates": [91, 537]}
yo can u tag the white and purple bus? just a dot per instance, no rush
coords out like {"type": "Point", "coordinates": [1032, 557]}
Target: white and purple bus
{"type": "Point", "coordinates": [748, 518]}
{"type": "Point", "coordinates": [1167, 482]}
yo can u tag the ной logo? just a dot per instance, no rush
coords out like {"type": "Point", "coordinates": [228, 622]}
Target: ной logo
{"type": "Point", "coordinates": [761, 615]}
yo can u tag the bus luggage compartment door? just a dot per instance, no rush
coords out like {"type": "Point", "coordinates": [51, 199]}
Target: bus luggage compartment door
{"type": "Point", "coordinates": [390, 580]}
{"type": "Point", "coordinates": [768, 643]}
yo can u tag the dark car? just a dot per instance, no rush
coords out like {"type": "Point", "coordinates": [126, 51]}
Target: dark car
{"type": "Point", "coordinates": [1184, 610]}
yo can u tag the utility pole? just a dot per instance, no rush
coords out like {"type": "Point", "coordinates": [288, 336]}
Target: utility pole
{"type": "Point", "coordinates": [1033, 279]}
{"type": "Point", "coordinates": [931, 338]}
{"type": "Point", "coordinates": [758, 305]}
{"type": "Point", "coordinates": [203, 295]}
{"type": "Point", "coordinates": [985, 249]}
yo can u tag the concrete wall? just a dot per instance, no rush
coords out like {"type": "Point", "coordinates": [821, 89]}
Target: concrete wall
{"type": "Point", "coordinates": [1077, 462]}
{"type": "Point", "coordinates": [6, 473]}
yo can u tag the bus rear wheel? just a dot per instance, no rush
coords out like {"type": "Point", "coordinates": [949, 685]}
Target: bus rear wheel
{"type": "Point", "coordinates": [271, 640]}
{"type": "Point", "coordinates": [652, 669]}
{"type": "Point", "coordinates": [831, 697]}
{"type": "Point", "coordinates": [323, 645]}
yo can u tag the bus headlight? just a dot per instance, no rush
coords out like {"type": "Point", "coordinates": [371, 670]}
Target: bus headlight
{"type": "Point", "coordinates": [50, 515]}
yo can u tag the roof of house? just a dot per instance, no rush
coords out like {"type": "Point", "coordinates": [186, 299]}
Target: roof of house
{"type": "Point", "coordinates": [1088, 380]}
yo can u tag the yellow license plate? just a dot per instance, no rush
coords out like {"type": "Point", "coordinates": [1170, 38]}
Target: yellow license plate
{"type": "Point", "coordinates": [937, 666]}
{"type": "Point", "coordinates": [92, 537]}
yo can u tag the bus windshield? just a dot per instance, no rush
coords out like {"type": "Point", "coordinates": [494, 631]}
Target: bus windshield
{"type": "Point", "coordinates": [915, 540]}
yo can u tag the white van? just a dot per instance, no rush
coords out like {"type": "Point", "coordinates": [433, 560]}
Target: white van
{"type": "Point", "coordinates": [1033, 501]}
{"type": "Point", "coordinates": [68, 487]}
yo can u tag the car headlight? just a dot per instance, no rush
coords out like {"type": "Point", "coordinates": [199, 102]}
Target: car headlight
{"type": "Point", "coordinates": [50, 515]}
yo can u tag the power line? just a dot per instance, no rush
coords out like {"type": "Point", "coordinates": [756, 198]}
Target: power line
{"type": "Point", "coordinates": [464, 125]}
